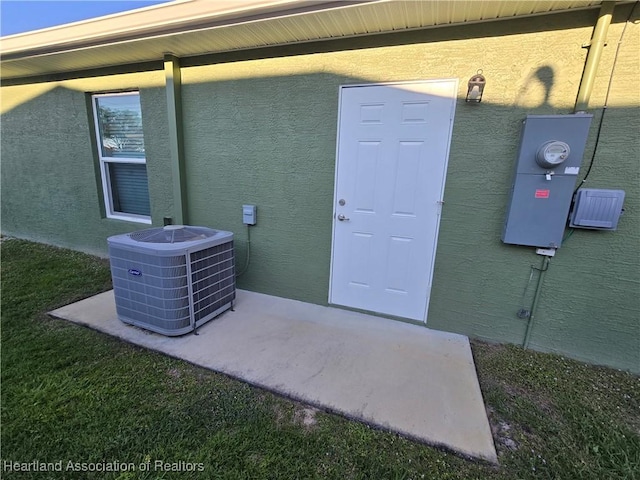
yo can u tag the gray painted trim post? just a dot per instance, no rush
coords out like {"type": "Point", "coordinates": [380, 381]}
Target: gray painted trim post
{"type": "Point", "coordinates": [173, 80]}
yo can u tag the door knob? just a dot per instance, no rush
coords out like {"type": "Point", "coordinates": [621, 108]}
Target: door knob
{"type": "Point", "coordinates": [342, 218]}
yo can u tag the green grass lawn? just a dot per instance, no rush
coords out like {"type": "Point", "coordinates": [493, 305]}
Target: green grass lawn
{"type": "Point", "coordinates": [70, 394]}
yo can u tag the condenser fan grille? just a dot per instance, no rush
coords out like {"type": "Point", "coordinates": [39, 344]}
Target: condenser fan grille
{"type": "Point", "coordinates": [172, 234]}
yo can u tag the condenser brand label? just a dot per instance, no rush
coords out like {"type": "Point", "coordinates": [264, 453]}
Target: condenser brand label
{"type": "Point", "coordinates": [539, 194]}
{"type": "Point", "coordinates": [134, 272]}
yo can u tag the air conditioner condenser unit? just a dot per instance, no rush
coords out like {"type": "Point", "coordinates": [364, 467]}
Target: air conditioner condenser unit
{"type": "Point", "coordinates": [172, 279]}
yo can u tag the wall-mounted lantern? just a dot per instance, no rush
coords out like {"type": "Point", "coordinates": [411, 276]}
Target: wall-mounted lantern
{"type": "Point", "coordinates": [476, 87]}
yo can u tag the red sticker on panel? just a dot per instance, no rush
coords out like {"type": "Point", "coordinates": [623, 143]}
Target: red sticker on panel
{"type": "Point", "coordinates": [542, 193]}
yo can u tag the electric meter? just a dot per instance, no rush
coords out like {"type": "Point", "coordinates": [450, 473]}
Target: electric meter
{"type": "Point", "coordinates": [552, 154]}
{"type": "Point", "coordinates": [548, 162]}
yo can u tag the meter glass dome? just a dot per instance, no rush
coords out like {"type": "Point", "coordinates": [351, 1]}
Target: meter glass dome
{"type": "Point", "coordinates": [552, 154]}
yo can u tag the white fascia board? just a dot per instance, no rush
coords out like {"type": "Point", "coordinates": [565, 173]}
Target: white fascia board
{"type": "Point", "coordinates": [180, 14]}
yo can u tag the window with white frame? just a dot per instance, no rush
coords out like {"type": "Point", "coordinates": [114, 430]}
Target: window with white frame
{"type": "Point", "coordinates": [123, 166]}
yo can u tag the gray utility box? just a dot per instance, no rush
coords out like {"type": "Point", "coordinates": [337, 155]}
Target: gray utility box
{"type": "Point", "coordinates": [597, 209]}
{"type": "Point", "coordinates": [551, 149]}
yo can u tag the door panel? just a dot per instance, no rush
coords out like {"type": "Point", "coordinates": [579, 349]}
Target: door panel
{"type": "Point", "coordinates": [393, 145]}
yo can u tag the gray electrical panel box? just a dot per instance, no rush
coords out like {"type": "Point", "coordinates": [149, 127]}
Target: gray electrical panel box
{"type": "Point", "coordinates": [549, 158]}
{"type": "Point", "coordinates": [597, 209]}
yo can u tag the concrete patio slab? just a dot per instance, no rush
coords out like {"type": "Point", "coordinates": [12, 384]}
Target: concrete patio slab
{"type": "Point", "coordinates": [405, 378]}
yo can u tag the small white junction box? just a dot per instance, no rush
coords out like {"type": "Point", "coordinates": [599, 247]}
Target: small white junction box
{"type": "Point", "coordinates": [249, 214]}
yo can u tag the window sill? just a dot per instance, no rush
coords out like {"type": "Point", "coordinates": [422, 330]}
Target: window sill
{"type": "Point", "coordinates": [130, 218]}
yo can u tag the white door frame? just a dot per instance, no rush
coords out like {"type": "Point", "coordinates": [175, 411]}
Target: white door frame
{"type": "Point", "coordinates": [442, 186]}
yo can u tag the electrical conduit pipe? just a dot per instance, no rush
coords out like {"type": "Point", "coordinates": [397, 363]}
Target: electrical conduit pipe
{"type": "Point", "coordinates": [536, 298]}
{"type": "Point", "coordinates": [596, 46]}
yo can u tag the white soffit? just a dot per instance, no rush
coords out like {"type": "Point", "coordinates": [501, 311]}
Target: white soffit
{"type": "Point", "coordinates": [195, 27]}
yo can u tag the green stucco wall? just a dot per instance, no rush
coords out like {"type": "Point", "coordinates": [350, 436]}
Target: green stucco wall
{"type": "Point", "coordinates": [267, 136]}
{"type": "Point", "coordinates": [260, 128]}
{"type": "Point", "coordinates": [51, 190]}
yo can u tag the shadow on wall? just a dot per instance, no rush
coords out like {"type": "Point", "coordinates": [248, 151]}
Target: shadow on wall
{"type": "Point", "coordinates": [545, 77]}
{"type": "Point", "coordinates": [253, 141]}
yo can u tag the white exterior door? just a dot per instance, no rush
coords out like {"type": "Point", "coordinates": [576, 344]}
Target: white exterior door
{"type": "Point", "coordinates": [393, 145]}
